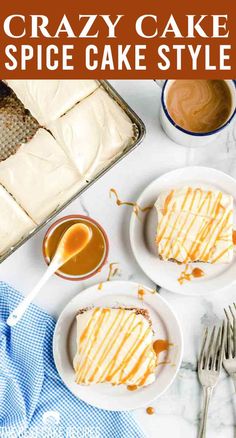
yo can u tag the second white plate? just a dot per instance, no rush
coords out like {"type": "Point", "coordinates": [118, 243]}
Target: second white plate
{"type": "Point", "coordinates": [165, 326]}
{"type": "Point", "coordinates": [143, 230]}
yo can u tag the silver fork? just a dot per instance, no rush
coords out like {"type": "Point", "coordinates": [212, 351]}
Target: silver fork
{"type": "Point", "coordinates": [209, 367]}
{"type": "Point", "coordinates": [229, 360]}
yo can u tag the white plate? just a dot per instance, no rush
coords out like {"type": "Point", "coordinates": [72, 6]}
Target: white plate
{"type": "Point", "coordinates": [143, 230]}
{"type": "Point", "coordinates": [165, 326]}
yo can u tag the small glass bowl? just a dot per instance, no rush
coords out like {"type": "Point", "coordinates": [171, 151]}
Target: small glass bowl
{"type": "Point", "coordinates": [84, 219]}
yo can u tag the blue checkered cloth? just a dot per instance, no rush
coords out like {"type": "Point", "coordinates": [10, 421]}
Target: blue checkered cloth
{"type": "Point", "coordinates": [34, 402]}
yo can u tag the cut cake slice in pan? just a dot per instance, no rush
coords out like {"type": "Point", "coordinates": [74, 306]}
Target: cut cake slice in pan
{"type": "Point", "coordinates": [48, 99]}
{"type": "Point", "coordinates": [14, 222]}
{"type": "Point", "coordinates": [93, 132]}
{"type": "Point", "coordinates": [39, 176]}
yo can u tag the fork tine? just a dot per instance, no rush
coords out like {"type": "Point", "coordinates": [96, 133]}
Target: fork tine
{"type": "Point", "coordinates": [233, 329]}
{"type": "Point", "coordinates": [209, 355]}
{"type": "Point", "coordinates": [226, 313]}
{"type": "Point", "coordinates": [228, 316]}
{"type": "Point", "coordinates": [216, 355]}
{"type": "Point", "coordinates": [231, 333]}
{"type": "Point", "coordinates": [234, 335]}
{"type": "Point", "coordinates": [228, 343]}
{"type": "Point", "coordinates": [231, 311]}
{"type": "Point", "coordinates": [201, 356]}
{"type": "Point", "coordinates": [222, 345]}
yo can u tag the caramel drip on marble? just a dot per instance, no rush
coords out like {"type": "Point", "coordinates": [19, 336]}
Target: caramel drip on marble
{"type": "Point", "coordinates": [150, 410]}
{"type": "Point", "coordinates": [119, 331]}
{"type": "Point", "coordinates": [112, 272]}
{"type": "Point", "coordinates": [219, 217]}
{"type": "Point", "coordinates": [136, 207]}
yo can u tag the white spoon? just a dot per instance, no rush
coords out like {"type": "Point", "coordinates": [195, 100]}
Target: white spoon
{"type": "Point", "coordinates": [73, 241]}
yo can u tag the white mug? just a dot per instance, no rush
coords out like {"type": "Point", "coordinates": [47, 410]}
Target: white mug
{"type": "Point", "coordinates": [181, 135]}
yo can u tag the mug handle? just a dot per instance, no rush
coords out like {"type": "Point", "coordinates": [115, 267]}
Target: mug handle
{"type": "Point", "coordinates": [160, 82]}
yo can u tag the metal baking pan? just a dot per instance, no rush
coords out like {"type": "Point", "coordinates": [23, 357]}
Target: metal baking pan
{"type": "Point", "coordinates": [17, 126]}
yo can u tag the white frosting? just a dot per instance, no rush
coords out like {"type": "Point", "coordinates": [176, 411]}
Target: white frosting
{"type": "Point", "coordinates": [49, 99]}
{"type": "Point", "coordinates": [195, 225]}
{"type": "Point", "coordinates": [93, 132]}
{"type": "Point", "coordinates": [39, 176]}
{"type": "Point", "coordinates": [122, 338]}
{"type": "Point", "coordinates": [47, 171]}
{"type": "Point", "coordinates": [14, 222]}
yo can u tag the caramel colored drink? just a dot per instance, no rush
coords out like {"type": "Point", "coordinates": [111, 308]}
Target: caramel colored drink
{"type": "Point", "coordinates": [199, 105]}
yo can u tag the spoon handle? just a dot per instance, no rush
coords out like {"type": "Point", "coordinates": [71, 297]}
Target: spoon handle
{"type": "Point", "coordinates": [19, 311]}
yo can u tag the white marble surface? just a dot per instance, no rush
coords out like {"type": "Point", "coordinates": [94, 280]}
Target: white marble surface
{"type": "Point", "coordinates": [177, 411]}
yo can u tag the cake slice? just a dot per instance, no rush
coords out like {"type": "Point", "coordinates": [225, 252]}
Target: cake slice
{"type": "Point", "coordinates": [14, 222]}
{"type": "Point", "coordinates": [39, 176]}
{"type": "Point", "coordinates": [195, 225]}
{"type": "Point", "coordinates": [48, 99]}
{"type": "Point", "coordinates": [93, 132]}
{"type": "Point", "coordinates": [114, 345]}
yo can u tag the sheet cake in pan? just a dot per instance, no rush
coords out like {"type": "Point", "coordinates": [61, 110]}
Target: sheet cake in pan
{"type": "Point", "coordinates": [20, 148]}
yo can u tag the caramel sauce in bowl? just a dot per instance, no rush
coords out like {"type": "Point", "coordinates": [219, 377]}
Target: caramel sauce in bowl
{"type": "Point", "coordinates": [86, 263]}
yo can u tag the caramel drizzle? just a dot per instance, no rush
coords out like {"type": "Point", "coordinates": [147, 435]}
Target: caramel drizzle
{"type": "Point", "coordinates": [193, 220]}
{"type": "Point", "coordinates": [119, 332]}
{"type": "Point", "coordinates": [141, 293]}
{"type": "Point", "coordinates": [150, 410]}
{"type": "Point", "coordinates": [139, 340]}
{"type": "Point", "coordinates": [224, 223]}
{"type": "Point", "coordinates": [111, 364]}
{"type": "Point", "coordinates": [167, 201]}
{"type": "Point", "coordinates": [85, 332]}
{"type": "Point", "coordinates": [98, 325]}
{"type": "Point", "coordinates": [219, 217]}
{"type": "Point", "coordinates": [187, 276]}
{"type": "Point", "coordinates": [112, 271]}
{"type": "Point", "coordinates": [117, 323]}
{"type": "Point", "coordinates": [234, 237]}
{"type": "Point", "coordinates": [99, 347]}
{"type": "Point", "coordinates": [161, 235]}
{"type": "Point", "coordinates": [136, 207]}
